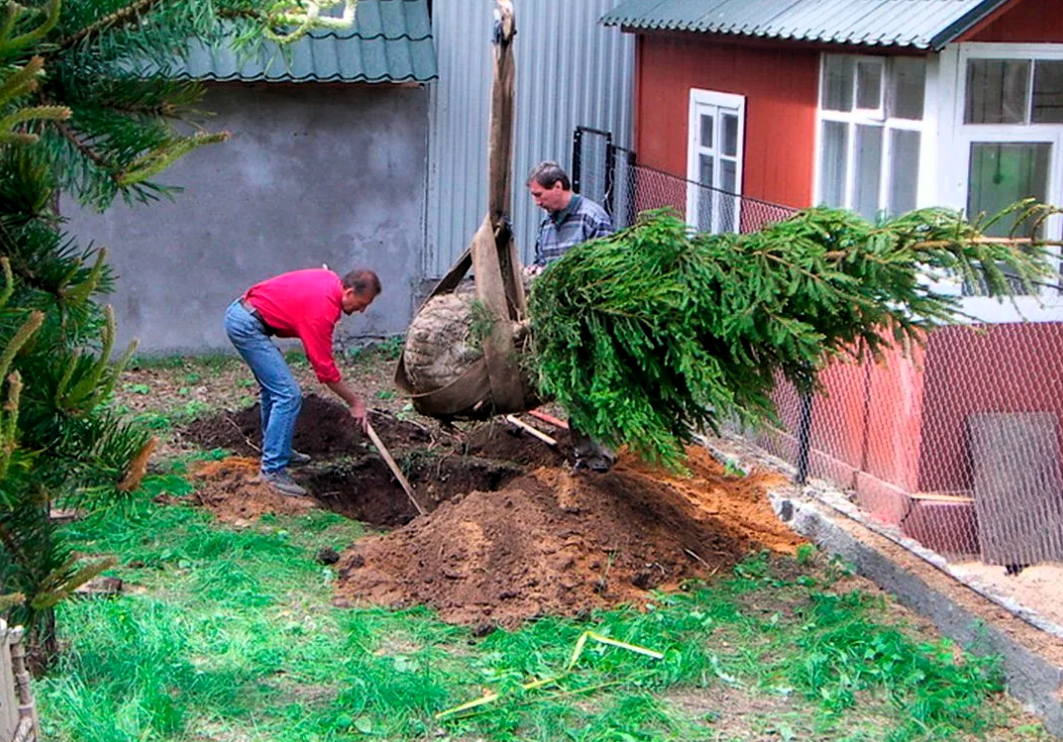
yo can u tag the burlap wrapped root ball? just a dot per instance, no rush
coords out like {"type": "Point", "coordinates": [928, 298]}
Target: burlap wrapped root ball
{"type": "Point", "coordinates": [439, 344]}
{"type": "Point", "coordinates": [446, 338]}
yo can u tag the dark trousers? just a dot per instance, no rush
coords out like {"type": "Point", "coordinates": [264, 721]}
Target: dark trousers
{"type": "Point", "coordinates": [586, 448]}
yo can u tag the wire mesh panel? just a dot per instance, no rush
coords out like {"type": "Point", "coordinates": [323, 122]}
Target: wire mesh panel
{"type": "Point", "coordinates": [612, 177]}
{"type": "Point", "coordinates": [957, 445]}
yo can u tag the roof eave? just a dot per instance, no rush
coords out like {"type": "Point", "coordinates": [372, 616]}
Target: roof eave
{"type": "Point", "coordinates": [901, 46]}
{"type": "Point", "coordinates": [936, 43]}
{"type": "Point", "coordinates": [966, 22]}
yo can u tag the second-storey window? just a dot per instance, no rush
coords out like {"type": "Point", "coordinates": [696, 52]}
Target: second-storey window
{"type": "Point", "coordinates": [871, 132]}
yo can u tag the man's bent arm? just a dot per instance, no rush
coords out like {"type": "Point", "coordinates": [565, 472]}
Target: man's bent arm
{"type": "Point", "coordinates": [355, 402]}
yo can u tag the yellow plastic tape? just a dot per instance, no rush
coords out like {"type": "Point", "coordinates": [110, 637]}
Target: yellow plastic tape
{"type": "Point", "coordinates": [577, 651]}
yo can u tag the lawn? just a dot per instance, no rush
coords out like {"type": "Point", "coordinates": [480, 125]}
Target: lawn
{"type": "Point", "coordinates": [228, 633]}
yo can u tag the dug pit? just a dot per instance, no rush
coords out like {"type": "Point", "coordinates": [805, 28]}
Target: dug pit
{"type": "Point", "coordinates": [511, 533]}
{"type": "Point", "coordinates": [367, 491]}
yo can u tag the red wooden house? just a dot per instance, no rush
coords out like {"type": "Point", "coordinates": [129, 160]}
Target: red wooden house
{"type": "Point", "coordinates": [881, 106]}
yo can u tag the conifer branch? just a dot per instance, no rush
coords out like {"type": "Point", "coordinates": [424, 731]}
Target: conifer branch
{"type": "Point", "coordinates": [31, 37]}
{"type": "Point", "coordinates": [118, 18]}
{"type": "Point", "coordinates": [22, 81]}
{"type": "Point", "coordinates": [86, 151]}
{"type": "Point", "coordinates": [158, 160]}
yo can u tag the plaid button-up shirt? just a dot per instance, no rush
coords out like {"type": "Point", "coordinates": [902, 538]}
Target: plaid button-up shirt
{"type": "Point", "coordinates": [581, 221]}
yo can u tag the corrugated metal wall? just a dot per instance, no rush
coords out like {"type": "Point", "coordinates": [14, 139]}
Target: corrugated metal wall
{"type": "Point", "coordinates": [570, 72]}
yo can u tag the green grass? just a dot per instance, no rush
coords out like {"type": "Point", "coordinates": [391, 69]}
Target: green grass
{"type": "Point", "coordinates": [384, 350]}
{"type": "Point", "coordinates": [194, 365]}
{"type": "Point", "coordinates": [228, 634]}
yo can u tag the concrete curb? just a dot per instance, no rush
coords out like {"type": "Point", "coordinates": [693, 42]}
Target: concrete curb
{"type": "Point", "coordinates": [1032, 679]}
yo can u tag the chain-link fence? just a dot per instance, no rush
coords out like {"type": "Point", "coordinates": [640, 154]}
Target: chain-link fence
{"type": "Point", "coordinates": [957, 447]}
{"type": "Point", "coordinates": [611, 176]}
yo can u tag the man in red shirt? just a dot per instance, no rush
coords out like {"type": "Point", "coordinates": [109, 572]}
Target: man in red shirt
{"type": "Point", "coordinates": [306, 305]}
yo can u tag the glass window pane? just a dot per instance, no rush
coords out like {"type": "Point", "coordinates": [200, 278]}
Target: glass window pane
{"type": "Point", "coordinates": [729, 175]}
{"type": "Point", "coordinates": [868, 176]}
{"type": "Point", "coordinates": [705, 170]}
{"type": "Point", "coordinates": [1002, 174]}
{"type": "Point", "coordinates": [904, 171]}
{"type": "Point", "coordinates": [730, 135]}
{"type": "Point", "coordinates": [834, 152]}
{"type": "Point", "coordinates": [907, 88]}
{"type": "Point", "coordinates": [1048, 92]}
{"type": "Point", "coordinates": [869, 85]}
{"type": "Point", "coordinates": [727, 205]}
{"type": "Point", "coordinates": [706, 130]}
{"type": "Point", "coordinates": [838, 83]}
{"type": "Point", "coordinates": [997, 91]}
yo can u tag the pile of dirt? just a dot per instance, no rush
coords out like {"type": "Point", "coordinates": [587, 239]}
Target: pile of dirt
{"type": "Point", "coordinates": [557, 543]}
{"type": "Point", "coordinates": [499, 544]}
{"type": "Point", "coordinates": [362, 489]}
{"type": "Point", "coordinates": [325, 429]}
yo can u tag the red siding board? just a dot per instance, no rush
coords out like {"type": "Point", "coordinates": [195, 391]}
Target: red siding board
{"type": "Point", "coordinates": [1027, 21]}
{"type": "Point", "coordinates": [781, 89]}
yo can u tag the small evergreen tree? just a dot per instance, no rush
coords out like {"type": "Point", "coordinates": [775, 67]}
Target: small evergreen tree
{"type": "Point", "coordinates": [87, 106]}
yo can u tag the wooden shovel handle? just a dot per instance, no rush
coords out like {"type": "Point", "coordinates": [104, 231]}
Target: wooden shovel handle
{"type": "Point", "coordinates": [393, 466]}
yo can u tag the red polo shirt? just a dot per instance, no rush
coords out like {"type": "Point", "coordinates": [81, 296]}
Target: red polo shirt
{"type": "Point", "coordinates": [307, 305]}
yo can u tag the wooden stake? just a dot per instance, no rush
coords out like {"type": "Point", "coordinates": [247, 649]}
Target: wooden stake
{"type": "Point", "coordinates": [549, 419]}
{"type": "Point", "coordinates": [534, 431]}
{"type": "Point", "coordinates": [393, 466]}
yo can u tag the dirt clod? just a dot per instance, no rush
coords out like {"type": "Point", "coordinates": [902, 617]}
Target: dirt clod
{"type": "Point", "coordinates": [327, 555]}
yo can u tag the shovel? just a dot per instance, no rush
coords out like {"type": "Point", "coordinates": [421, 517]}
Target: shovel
{"type": "Point", "coordinates": [393, 466]}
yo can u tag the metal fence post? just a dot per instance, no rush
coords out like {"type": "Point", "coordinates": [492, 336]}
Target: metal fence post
{"type": "Point", "coordinates": [804, 438]}
{"type": "Point", "coordinates": [577, 158]}
{"type": "Point", "coordinates": [610, 176]}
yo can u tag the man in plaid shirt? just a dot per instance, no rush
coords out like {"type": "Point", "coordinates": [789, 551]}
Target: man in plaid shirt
{"type": "Point", "coordinates": [570, 220]}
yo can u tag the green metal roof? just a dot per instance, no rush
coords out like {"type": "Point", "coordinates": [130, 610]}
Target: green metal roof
{"type": "Point", "coordinates": [390, 41]}
{"type": "Point", "coordinates": [919, 24]}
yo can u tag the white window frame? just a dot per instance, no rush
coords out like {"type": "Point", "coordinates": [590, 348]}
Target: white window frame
{"type": "Point", "coordinates": [873, 117]}
{"type": "Point", "coordinates": [954, 183]}
{"type": "Point", "coordinates": [699, 98]}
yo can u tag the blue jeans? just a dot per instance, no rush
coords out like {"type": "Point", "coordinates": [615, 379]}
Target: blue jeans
{"type": "Point", "coordinates": [281, 397]}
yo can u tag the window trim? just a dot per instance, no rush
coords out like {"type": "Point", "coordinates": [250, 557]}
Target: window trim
{"type": "Point", "coordinates": [1048, 305]}
{"type": "Point", "coordinates": [700, 97]}
{"type": "Point", "coordinates": [870, 117]}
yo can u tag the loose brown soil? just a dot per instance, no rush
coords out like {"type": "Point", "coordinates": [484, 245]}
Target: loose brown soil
{"type": "Point", "coordinates": [231, 489]}
{"type": "Point", "coordinates": [504, 442]}
{"type": "Point", "coordinates": [553, 542]}
{"type": "Point", "coordinates": [511, 533]}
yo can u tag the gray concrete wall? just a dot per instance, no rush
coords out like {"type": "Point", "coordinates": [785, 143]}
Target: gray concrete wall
{"type": "Point", "coordinates": [313, 174]}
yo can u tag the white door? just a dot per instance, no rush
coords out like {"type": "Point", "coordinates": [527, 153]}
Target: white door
{"type": "Point", "coordinates": [714, 161]}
